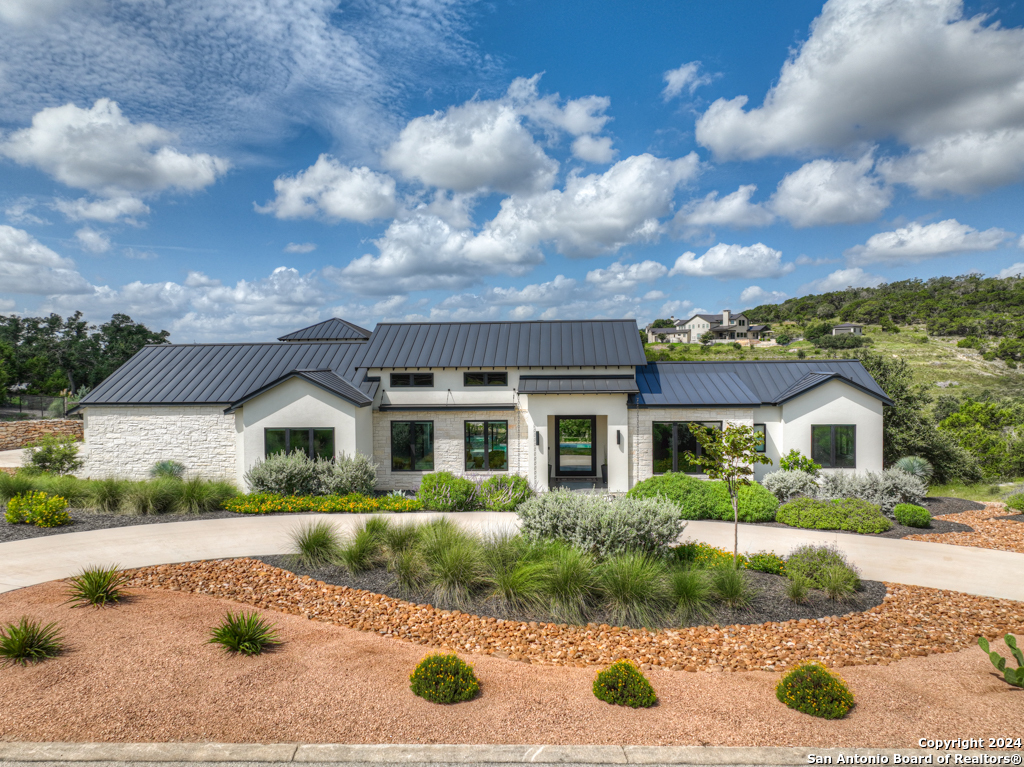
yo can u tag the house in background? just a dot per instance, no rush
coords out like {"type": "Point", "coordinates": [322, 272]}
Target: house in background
{"type": "Point", "coordinates": [848, 328]}
{"type": "Point", "coordinates": [726, 328]}
{"type": "Point", "coordinates": [562, 402]}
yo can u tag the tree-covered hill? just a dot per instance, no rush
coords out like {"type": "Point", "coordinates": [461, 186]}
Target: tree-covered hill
{"type": "Point", "coordinates": [968, 305]}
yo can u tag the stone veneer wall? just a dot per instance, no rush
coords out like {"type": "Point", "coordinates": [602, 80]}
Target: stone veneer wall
{"type": "Point", "coordinates": [449, 444]}
{"type": "Point", "coordinates": [126, 441]}
{"type": "Point", "coordinates": [18, 434]}
{"type": "Point", "coordinates": [642, 431]}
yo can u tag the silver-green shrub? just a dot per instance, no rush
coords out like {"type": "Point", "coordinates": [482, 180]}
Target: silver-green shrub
{"type": "Point", "coordinates": [885, 489]}
{"type": "Point", "coordinates": [354, 473]}
{"type": "Point", "coordinates": [601, 527]}
{"type": "Point", "coordinates": [784, 485]}
{"type": "Point", "coordinates": [285, 474]}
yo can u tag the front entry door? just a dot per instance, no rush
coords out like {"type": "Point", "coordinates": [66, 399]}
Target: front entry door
{"type": "Point", "coordinates": [577, 453]}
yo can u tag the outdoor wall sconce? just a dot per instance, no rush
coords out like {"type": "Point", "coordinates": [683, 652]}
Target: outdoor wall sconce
{"type": "Point", "coordinates": [618, 436]}
{"type": "Point", "coordinates": [536, 438]}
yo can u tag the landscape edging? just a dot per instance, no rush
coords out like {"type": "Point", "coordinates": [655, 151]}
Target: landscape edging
{"type": "Point", "coordinates": [315, 753]}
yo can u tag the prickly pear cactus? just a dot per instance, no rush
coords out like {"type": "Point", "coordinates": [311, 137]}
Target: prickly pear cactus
{"type": "Point", "coordinates": [1014, 676]}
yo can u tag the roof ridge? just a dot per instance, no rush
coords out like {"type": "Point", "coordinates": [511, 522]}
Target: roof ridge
{"type": "Point", "coordinates": [501, 322]}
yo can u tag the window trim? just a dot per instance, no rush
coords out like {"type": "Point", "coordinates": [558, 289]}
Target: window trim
{"type": "Point", "coordinates": [675, 444]}
{"type": "Point", "coordinates": [487, 452]}
{"type": "Point", "coordinates": [288, 439]}
{"type": "Point", "coordinates": [487, 375]}
{"type": "Point", "coordinates": [412, 442]}
{"type": "Point", "coordinates": [832, 451]}
{"type": "Point", "coordinates": [411, 378]}
{"type": "Point", "coordinates": [764, 437]}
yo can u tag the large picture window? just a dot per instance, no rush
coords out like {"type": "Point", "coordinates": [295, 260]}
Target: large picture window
{"type": "Point", "coordinates": [672, 439]}
{"type": "Point", "coordinates": [486, 445]}
{"type": "Point", "coordinates": [412, 379]}
{"type": "Point", "coordinates": [834, 447]}
{"type": "Point", "coordinates": [485, 379]}
{"type": "Point", "coordinates": [315, 443]}
{"type": "Point", "coordinates": [412, 446]}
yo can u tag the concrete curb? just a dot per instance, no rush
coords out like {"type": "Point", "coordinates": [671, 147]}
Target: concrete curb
{"type": "Point", "coordinates": [317, 753]}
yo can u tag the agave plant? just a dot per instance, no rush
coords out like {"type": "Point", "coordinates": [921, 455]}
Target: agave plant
{"type": "Point", "coordinates": [916, 466]}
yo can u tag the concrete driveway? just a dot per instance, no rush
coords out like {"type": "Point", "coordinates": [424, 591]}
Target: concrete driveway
{"type": "Point", "coordinates": [12, 459]}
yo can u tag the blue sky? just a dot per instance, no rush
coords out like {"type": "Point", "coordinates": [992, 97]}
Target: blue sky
{"type": "Point", "coordinates": [233, 170]}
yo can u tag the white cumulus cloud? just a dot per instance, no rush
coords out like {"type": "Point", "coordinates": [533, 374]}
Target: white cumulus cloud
{"type": "Point", "coordinates": [826, 192]}
{"type": "Point", "coordinates": [727, 261]}
{"type": "Point", "coordinates": [623, 278]}
{"type": "Point", "coordinates": [756, 295]}
{"type": "Point", "coordinates": [733, 210]}
{"type": "Point", "coordinates": [107, 210]}
{"type": "Point", "coordinates": [300, 247]}
{"type": "Point", "coordinates": [577, 117]}
{"type": "Point", "coordinates": [92, 240]}
{"type": "Point", "coordinates": [1013, 270]}
{"type": "Point", "coordinates": [854, 277]}
{"type": "Point", "coordinates": [329, 189]}
{"type": "Point", "coordinates": [596, 149]}
{"type": "Point", "coordinates": [687, 77]}
{"type": "Point", "coordinates": [916, 242]}
{"type": "Point", "coordinates": [28, 266]}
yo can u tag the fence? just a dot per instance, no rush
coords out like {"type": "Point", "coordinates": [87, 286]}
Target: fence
{"type": "Point", "coordinates": [24, 407]}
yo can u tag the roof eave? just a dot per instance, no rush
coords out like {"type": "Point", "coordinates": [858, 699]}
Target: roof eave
{"type": "Point", "coordinates": [287, 377]}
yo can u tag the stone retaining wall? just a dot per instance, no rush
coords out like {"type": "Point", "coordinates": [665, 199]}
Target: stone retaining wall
{"type": "Point", "coordinates": [15, 435]}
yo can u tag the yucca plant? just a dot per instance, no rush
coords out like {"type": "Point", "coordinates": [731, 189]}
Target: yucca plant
{"type": "Point", "coordinates": [634, 588]}
{"type": "Point", "coordinates": [315, 544]}
{"type": "Point", "coordinates": [167, 470]}
{"type": "Point", "coordinates": [916, 466]}
{"type": "Point", "coordinates": [98, 586]}
{"type": "Point", "coordinates": [29, 641]}
{"type": "Point", "coordinates": [246, 632]}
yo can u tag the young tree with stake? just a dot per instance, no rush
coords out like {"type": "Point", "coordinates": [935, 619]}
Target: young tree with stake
{"type": "Point", "coordinates": [729, 455]}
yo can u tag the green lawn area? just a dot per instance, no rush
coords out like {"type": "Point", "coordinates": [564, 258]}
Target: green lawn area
{"type": "Point", "coordinates": [982, 492]}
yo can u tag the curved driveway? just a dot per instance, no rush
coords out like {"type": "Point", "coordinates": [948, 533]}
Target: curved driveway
{"type": "Point", "coordinates": [985, 572]}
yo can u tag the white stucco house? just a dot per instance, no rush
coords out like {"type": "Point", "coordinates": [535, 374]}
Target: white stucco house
{"type": "Point", "coordinates": [557, 402]}
{"type": "Point", "coordinates": [725, 327]}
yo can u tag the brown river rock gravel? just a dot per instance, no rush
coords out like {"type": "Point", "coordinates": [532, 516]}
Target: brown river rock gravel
{"type": "Point", "coordinates": [143, 671]}
{"type": "Point", "coordinates": [991, 529]}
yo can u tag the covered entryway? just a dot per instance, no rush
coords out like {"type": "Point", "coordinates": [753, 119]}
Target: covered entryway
{"type": "Point", "coordinates": [576, 446]}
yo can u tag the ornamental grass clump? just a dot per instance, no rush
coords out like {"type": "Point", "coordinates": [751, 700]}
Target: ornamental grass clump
{"type": "Point", "coordinates": [690, 592]}
{"type": "Point", "coordinates": [912, 515]}
{"type": "Point", "coordinates": [623, 684]}
{"type": "Point", "coordinates": [731, 587]}
{"type": "Point", "coordinates": [29, 641]}
{"type": "Point", "coordinates": [634, 588]}
{"type": "Point", "coordinates": [819, 565]}
{"type": "Point", "coordinates": [515, 571]}
{"type": "Point", "coordinates": [98, 586]}
{"type": "Point", "coordinates": [443, 678]}
{"type": "Point", "coordinates": [315, 544]}
{"type": "Point", "coordinates": [573, 585]}
{"type": "Point", "coordinates": [813, 689]}
{"type": "Point", "coordinates": [361, 552]}
{"type": "Point", "coordinates": [247, 633]}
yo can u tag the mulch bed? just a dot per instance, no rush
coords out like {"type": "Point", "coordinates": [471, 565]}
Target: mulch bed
{"type": "Point", "coordinates": [770, 604]}
{"type": "Point", "coordinates": [82, 521]}
{"type": "Point", "coordinates": [911, 621]}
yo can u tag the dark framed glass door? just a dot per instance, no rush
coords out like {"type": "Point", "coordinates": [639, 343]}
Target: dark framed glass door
{"type": "Point", "coordinates": [576, 449]}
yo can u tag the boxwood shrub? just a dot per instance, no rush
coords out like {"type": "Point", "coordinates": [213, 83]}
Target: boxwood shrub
{"type": "Point", "coordinates": [912, 515]}
{"type": "Point", "coordinates": [444, 679]}
{"type": "Point", "coordinates": [707, 499]}
{"type": "Point", "coordinates": [623, 684]}
{"type": "Point", "coordinates": [849, 514]}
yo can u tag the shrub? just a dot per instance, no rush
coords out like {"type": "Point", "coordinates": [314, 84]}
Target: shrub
{"type": "Point", "coordinates": [1015, 502]}
{"type": "Point", "coordinates": [912, 516]}
{"type": "Point", "coordinates": [268, 503]}
{"type": "Point", "coordinates": [730, 586]}
{"type": "Point", "coordinates": [98, 586]}
{"type": "Point", "coordinates": [444, 679]}
{"type": "Point", "coordinates": [794, 460]}
{"type": "Point", "coordinates": [315, 543]}
{"type": "Point", "coordinates": [504, 492]}
{"type": "Point", "coordinates": [39, 509]}
{"type": "Point", "coordinates": [29, 641]}
{"type": "Point", "coordinates": [703, 556]}
{"type": "Point", "coordinates": [245, 633]}
{"type": "Point", "coordinates": [285, 474]}
{"type": "Point", "coordinates": [602, 527]}
{"type": "Point", "coordinates": [885, 490]}
{"type": "Point", "coordinates": [705, 499]}
{"type": "Point", "coordinates": [55, 455]}
{"type": "Point", "coordinates": [167, 470]}
{"type": "Point", "coordinates": [849, 514]}
{"type": "Point", "coordinates": [623, 684]}
{"type": "Point", "coordinates": [916, 466]}
{"type": "Point", "coordinates": [809, 562]}
{"type": "Point", "coordinates": [784, 485]}
{"type": "Point", "coordinates": [443, 491]}
{"type": "Point", "coordinates": [813, 689]}
{"type": "Point", "coordinates": [767, 562]}
{"type": "Point", "coordinates": [634, 588]}
{"type": "Point", "coordinates": [348, 474]}
{"type": "Point", "coordinates": [796, 589]}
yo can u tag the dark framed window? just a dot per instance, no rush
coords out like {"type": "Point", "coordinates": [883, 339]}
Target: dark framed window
{"type": "Point", "coordinates": [672, 440]}
{"type": "Point", "coordinates": [486, 445]}
{"type": "Point", "coordinates": [315, 443]}
{"type": "Point", "coordinates": [412, 446]}
{"type": "Point", "coordinates": [834, 446]}
{"type": "Point", "coordinates": [412, 379]}
{"type": "Point", "coordinates": [759, 428]}
{"type": "Point", "coordinates": [485, 379]}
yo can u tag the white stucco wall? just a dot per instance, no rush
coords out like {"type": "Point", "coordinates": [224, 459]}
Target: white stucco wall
{"type": "Point", "coordinates": [449, 444]}
{"type": "Point", "coordinates": [835, 403]}
{"type": "Point", "coordinates": [299, 404]}
{"type": "Point", "coordinates": [771, 417]}
{"type": "Point", "coordinates": [125, 441]}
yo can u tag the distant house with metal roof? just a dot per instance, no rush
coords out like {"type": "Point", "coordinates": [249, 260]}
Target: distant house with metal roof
{"type": "Point", "coordinates": [848, 328]}
{"type": "Point", "coordinates": [725, 327]}
{"type": "Point", "coordinates": [561, 402]}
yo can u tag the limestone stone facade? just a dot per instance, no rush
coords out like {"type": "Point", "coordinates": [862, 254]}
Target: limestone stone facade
{"type": "Point", "coordinates": [641, 430]}
{"type": "Point", "coordinates": [126, 441]}
{"type": "Point", "coordinates": [18, 434]}
{"type": "Point", "coordinates": [449, 444]}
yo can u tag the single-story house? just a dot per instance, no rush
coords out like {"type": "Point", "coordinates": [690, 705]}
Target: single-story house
{"type": "Point", "coordinates": [725, 327]}
{"type": "Point", "coordinates": [552, 401]}
{"type": "Point", "coordinates": [848, 328]}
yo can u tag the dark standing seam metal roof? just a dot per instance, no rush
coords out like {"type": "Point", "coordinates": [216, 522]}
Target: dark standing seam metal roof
{"type": "Point", "coordinates": [221, 374]}
{"type": "Point", "coordinates": [324, 379]}
{"type": "Point", "coordinates": [576, 385]}
{"type": "Point", "coordinates": [333, 329]}
{"type": "Point", "coordinates": [765, 382]}
{"type": "Point", "coordinates": [693, 389]}
{"type": "Point", "coordinates": [578, 343]}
